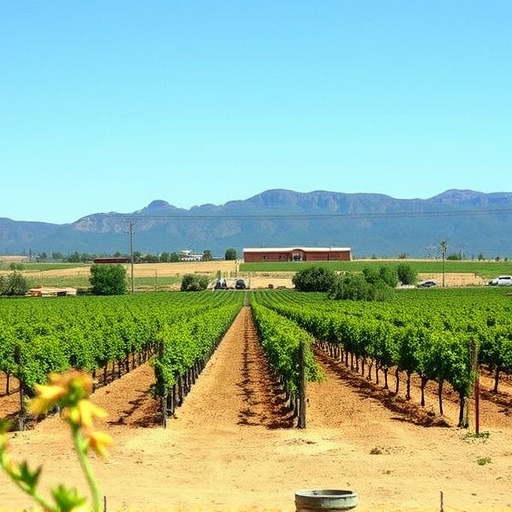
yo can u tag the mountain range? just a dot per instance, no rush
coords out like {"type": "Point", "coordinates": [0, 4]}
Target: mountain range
{"type": "Point", "coordinates": [473, 224]}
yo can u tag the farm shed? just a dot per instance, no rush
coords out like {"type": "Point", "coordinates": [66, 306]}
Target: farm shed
{"type": "Point", "coordinates": [260, 254]}
{"type": "Point", "coordinates": [110, 260]}
{"type": "Point", "coordinates": [51, 292]}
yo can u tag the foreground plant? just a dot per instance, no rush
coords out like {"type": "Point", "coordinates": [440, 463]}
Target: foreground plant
{"type": "Point", "coordinates": [70, 392]}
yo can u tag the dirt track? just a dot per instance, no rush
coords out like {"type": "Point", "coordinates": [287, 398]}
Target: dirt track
{"type": "Point", "coordinates": [231, 447]}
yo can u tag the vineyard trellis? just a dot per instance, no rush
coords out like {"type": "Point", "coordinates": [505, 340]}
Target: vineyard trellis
{"type": "Point", "coordinates": [444, 336]}
{"type": "Point", "coordinates": [437, 336]}
{"type": "Point", "coordinates": [39, 337]}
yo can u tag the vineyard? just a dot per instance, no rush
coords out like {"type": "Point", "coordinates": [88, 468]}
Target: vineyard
{"type": "Point", "coordinates": [419, 355]}
{"type": "Point", "coordinates": [446, 339]}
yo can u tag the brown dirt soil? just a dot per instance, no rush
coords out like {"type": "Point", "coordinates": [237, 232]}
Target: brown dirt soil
{"type": "Point", "coordinates": [233, 444]}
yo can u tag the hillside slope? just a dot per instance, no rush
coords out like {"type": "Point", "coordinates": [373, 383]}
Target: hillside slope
{"type": "Point", "coordinates": [472, 223]}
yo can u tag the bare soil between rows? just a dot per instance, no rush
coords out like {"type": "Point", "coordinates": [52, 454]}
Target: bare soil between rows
{"type": "Point", "coordinates": [233, 444]}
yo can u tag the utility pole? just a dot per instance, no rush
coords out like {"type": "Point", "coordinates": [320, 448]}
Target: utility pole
{"type": "Point", "coordinates": [130, 227]}
{"type": "Point", "coordinates": [444, 246]}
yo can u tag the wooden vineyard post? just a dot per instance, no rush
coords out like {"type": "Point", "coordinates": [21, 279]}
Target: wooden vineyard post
{"type": "Point", "coordinates": [164, 399]}
{"type": "Point", "coordinates": [162, 385]}
{"type": "Point", "coordinates": [474, 349]}
{"type": "Point", "coordinates": [23, 409]}
{"type": "Point", "coordinates": [301, 423]}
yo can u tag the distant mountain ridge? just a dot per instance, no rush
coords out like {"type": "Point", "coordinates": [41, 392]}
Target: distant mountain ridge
{"type": "Point", "coordinates": [471, 222]}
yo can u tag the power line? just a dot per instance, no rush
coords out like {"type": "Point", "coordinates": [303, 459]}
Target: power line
{"type": "Point", "coordinates": [317, 216]}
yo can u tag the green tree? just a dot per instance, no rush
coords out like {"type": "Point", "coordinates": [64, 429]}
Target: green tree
{"type": "Point", "coordinates": [350, 286]}
{"type": "Point", "coordinates": [108, 279]}
{"type": "Point", "coordinates": [371, 274]}
{"type": "Point", "coordinates": [230, 254]}
{"type": "Point", "coordinates": [13, 284]}
{"type": "Point", "coordinates": [151, 258]}
{"type": "Point", "coordinates": [193, 283]}
{"type": "Point", "coordinates": [314, 279]}
{"type": "Point", "coordinates": [389, 275]}
{"type": "Point", "coordinates": [74, 258]}
{"type": "Point", "coordinates": [367, 286]}
{"type": "Point", "coordinates": [207, 255]}
{"type": "Point", "coordinates": [165, 257]}
{"type": "Point", "coordinates": [406, 274]}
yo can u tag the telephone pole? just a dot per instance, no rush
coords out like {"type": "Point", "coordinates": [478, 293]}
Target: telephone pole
{"type": "Point", "coordinates": [130, 227]}
{"type": "Point", "coordinates": [444, 246]}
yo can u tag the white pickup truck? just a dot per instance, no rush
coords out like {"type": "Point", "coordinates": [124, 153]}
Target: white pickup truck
{"type": "Point", "coordinates": [501, 281]}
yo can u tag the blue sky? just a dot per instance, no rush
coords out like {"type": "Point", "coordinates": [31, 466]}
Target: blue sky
{"type": "Point", "coordinates": [106, 105]}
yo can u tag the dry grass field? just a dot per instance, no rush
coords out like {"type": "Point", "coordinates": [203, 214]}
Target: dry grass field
{"type": "Point", "coordinates": [230, 270]}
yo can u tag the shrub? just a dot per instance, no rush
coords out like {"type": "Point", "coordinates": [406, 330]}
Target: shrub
{"type": "Point", "coordinates": [389, 275]}
{"type": "Point", "coordinates": [193, 283]}
{"type": "Point", "coordinates": [13, 284]}
{"type": "Point", "coordinates": [357, 287]}
{"type": "Point", "coordinates": [406, 274]}
{"type": "Point", "coordinates": [350, 287]}
{"type": "Point", "coordinates": [108, 279]}
{"type": "Point", "coordinates": [314, 279]}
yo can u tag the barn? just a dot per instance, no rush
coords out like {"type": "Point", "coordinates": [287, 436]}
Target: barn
{"type": "Point", "coordinates": [110, 260]}
{"type": "Point", "coordinates": [271, 254]}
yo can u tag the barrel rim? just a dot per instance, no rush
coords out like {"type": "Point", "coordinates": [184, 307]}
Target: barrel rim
{"type": "Point", "coordinates": [335, 493]}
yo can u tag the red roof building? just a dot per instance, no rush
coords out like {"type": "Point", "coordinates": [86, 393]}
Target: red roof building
{"type": "Point", "coordinates": [262, 254]}
{"type": "Point", "coordinates": [111, 260]}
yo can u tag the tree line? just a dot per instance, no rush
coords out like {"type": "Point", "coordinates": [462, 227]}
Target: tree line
{"type": "Point", "coordinates": [138, 257]}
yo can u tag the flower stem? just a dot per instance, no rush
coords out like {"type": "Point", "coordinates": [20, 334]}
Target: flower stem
{"type": "Point", "coordinates": [81, 450]}
{"type": "Point", "coordinates": [47, 507]}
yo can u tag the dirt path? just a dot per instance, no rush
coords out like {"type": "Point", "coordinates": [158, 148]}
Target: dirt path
{"type": "Point", "coordinates": [231, 446]}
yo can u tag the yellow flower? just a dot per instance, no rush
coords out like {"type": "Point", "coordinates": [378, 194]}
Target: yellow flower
{"type": "Point", "coordinates": [88, 411]}
{"type": "Point", "coordinates": [4, 441]}
{"type": "Point", "coordinates": [83, 413]}
{"type": "Point", "coordinates": [99, 442]}
{"type": "Point", "coordinates": [63, 389]}
{"type": "Point", "coordinates": [73, 380]}
{"type": "Point", "coordinates": [47, 397]}
{"type": "Point", "coordinates": [81, 508]}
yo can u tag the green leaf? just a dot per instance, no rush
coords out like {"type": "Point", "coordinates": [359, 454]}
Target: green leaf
{"type": "Point", "coordinates": [28, 477]}
{"type": "Point", "coordinates": [67, 499]}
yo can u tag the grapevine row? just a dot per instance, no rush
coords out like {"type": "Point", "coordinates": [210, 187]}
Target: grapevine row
{"type": "Point", "coordinates": [184, 347]}
{"type": "Point", "coordinates": [437, 340]}
{"type": "Point", "coordinates": [38, 337]}
{"type": "Point", "coordinates": [288, 349]}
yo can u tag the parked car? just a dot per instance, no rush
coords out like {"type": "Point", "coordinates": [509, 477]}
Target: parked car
{"type": "Point", "coordinates": [427, 284]}
{"type": "Point", "coordinates": [501, 281]}
{"type": "Point", "coordinates": [240, 284]}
